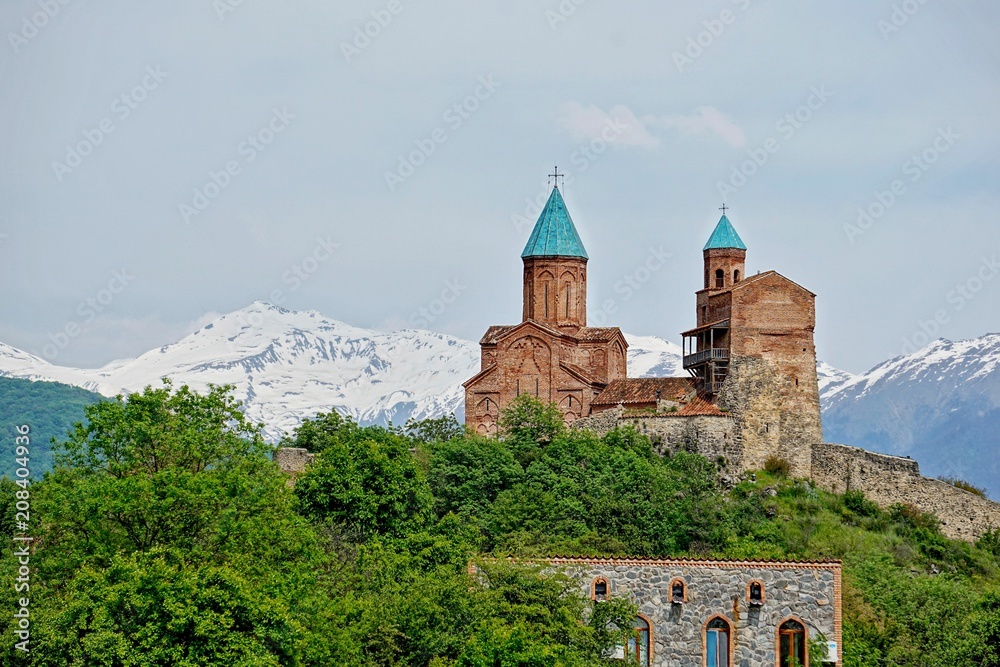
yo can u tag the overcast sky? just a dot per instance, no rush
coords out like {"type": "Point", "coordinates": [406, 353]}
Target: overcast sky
{"type": "Point", "coordinates": [173, 161]}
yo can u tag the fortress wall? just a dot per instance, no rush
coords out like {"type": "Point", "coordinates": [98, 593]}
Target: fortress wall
{"type": "Point", "coordinates": [712, 436]}
{"type": "Point", "coordinates": [888, 480]}
{"type": "Point", "coordinates": [293, 460]}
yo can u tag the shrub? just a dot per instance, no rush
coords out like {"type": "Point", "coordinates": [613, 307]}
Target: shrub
{"type": "Point", "coordinates": [856, 502]}
{"type": "Point", "coordinates": [965, 486]}
{"type": "Point", "coordinates": [778, 466]}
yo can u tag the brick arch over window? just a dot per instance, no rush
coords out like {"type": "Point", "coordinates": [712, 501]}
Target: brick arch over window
{"type": "Point", "coordinates": [729, 643]}
{"type": "Point", "coordinates": [678, 581]}
{"type": "Point", "coordinates": [642, 643]}
{"type": "Point", "coordinates": [596, 586]}
{"type": "Point", "coordinates": [750, 592]}
{"type": "Point", "coordinates": [791, 637]}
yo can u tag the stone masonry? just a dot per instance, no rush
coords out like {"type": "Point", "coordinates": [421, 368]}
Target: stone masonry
{"type": "Point", "coordinates": [808, 592]}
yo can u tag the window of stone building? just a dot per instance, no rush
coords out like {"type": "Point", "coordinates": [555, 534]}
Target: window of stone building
{"type": "Point", "coordinates": [793, 650]}
{"type": "Point", "coordinates": [736, 276]}
{"type": "Point", "coordinates": [600, 590]}
{"type": "Point", "coordinates": [720, 279]}
{"type": "Point", "coordinates": [755, 593]}
{"type": "Point", "coordinates": [678, 591]}
{"type": "Point", "coordinates": [717, 646]}
{"type": "Point", "coordinates": [639, 644]}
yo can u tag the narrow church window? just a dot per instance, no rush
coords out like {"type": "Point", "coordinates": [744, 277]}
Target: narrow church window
{"type": "Point", "coordinates": [519, 386]}
{"type": "Point", "coordinates": [546, 300]}
{"type": "Point", "coordinates": [536, 387]}
{"type": "Point", "coordinates": [736, 276]}
{"type": "Point", "coordinates": [720, 279]}
{"type": "Point", "coordinates": [792, 648]}
{"type": "Point", "coordinates": [717, 643]}
{"type": "Point", "coordinates": [638, 645]}
{"type": "Point", "coordinates": [567, 300]}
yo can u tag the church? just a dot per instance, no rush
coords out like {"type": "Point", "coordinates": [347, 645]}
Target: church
{"type": "Point", "coordinates": [751, 391]}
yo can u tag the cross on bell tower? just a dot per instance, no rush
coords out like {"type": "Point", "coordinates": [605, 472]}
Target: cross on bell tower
{"type": "Point", "coordinates": [555, 176]}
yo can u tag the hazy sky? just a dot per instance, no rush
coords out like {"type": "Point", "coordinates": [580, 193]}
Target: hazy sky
{"type": "Point", "coordinates": [161, 163]}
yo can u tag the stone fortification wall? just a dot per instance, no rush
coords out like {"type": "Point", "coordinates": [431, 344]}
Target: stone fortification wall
{"type": "Point", "coordinates": [888, 480]}
{"type": "Point", "coordinates": [293, 459]}
{"type": "Point", "coordinates": [714, 437]}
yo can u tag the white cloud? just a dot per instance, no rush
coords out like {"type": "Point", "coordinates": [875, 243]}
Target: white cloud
{"type": "Point", "coordinates": [705, 121]}
{"type": "Point", "coordinates": [618, 126]}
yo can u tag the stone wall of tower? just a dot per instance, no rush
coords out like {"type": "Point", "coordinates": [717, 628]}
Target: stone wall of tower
{"type": "Point", "coordinates": [555, 291]}
{"type": "Point", "coordinates": [772, 385]}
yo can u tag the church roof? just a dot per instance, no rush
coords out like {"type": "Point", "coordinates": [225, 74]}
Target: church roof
{"type": "Point", "coordinates": [724, 236]}
{"type": "Point", "coordinates": [643, 390]}
{"type": "Point", "coordinates": [554, 234]}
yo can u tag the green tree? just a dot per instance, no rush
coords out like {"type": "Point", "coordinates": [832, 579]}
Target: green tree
{"type": "Point", "coordinates": [364, 480]}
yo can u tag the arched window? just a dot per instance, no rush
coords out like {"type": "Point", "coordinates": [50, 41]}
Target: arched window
{"type": "Point", "coordinates": [678, 591]}
{"type": "Point", "coordinates": [793, 650]}
{"type": "Point", "coordinates": [639, 644]}
{"type": "Point", "coordinates": [755, 593]}
{"type": "Point", "coordinates": [736, 276]}
{"type": "Point", "coordinates": [717, 645]}
{"type": "Point", "coordinates": [720, 279]}
{"type": "Point", "coordinates": [599, 591]}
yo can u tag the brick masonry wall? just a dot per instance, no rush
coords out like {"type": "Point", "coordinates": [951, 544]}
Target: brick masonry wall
{"type": "Point", "coordinates": [809, 592]}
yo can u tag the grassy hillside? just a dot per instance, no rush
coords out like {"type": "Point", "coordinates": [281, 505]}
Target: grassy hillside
{"type": "Point", "coordinates": [170, 538]}
{"type": "Point", "coordinates": [49, 408]}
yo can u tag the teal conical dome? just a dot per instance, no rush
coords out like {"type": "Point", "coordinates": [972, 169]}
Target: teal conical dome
{"type": "Point", "coordinates": [554, 234]}
{"type": "Point", "coordinates": [724, 237]}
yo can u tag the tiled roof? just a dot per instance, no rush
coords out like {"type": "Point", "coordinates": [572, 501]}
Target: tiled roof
{"type": "Point", "coordinates": [554, 234]}
{"type": "Point", "coordinates": [700, 407]}
{"type": "Point", "coordinates": [597, 334]}
{"type": "Point", "coordinates": [585, 334]}
{"type": "Point", "coordinates": [680, 562]}
{"type": "Point", "coordinates": [643, 390]}
{"type": "Point", "coordinates": [495, 333]}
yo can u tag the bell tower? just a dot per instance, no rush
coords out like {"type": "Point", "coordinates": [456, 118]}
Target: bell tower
{"type": "Point", "coordinates": [725, 258]}
{"type": "Point", "coordinates": [555, 269]}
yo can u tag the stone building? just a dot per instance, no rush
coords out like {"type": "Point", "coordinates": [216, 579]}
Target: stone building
{"type": "Point", "coordinates": [552, 354]}
{"type": "Point", "coordinates": [752, 353]}
{"type": "Point", "coordinates": [710, 613]}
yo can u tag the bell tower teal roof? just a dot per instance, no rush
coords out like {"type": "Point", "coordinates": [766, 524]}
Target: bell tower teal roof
{"type": "Point", "coordinates": [554, 234]}
{"type": "Point", "coordinates": [724, 236]}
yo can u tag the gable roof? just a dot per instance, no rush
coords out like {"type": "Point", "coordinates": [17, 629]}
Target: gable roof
{"type": "Point", "coordinates": [554, 234]}
{"type": "Point", "coordinates": [750, 281]}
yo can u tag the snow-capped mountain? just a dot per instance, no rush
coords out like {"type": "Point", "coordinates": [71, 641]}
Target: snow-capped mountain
{"type": "Point", "coordinates": [289, 365]}
{"type": "Point", "coordinates": [939, 405]}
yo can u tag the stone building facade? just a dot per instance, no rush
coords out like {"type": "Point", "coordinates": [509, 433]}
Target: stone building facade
{"type": "Point", "coordinates": [704, 613]}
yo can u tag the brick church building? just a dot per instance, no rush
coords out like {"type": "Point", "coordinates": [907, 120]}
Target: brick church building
{"type": "Point", "coordinates": [751, 392]}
